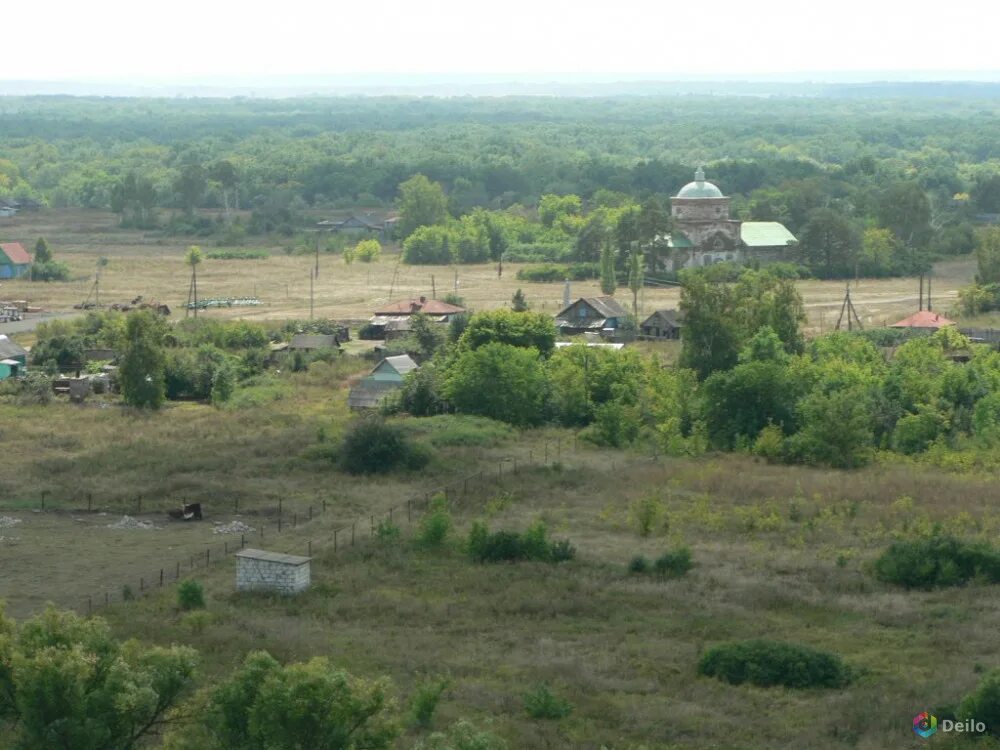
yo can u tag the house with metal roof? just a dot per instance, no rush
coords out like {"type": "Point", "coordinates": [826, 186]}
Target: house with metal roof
{"type": "Point", "coordinates": [15, 261]}
{"type": "Point", "coordinates": [13, 358]}
{"type": "Point", "coordinates": [393, 320]}
{"type": "Point", "coordinates": [386, 377]}
{"type": "Point", "coordinates": [601, 315]}
{"type": "Point", "coordinates": [704, 232]}
{"type": "Point", "coordinates": [925, 320]}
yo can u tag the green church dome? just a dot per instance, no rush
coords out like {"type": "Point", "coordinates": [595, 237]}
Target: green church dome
{"type": "Point", "coordinates": [699, 188]}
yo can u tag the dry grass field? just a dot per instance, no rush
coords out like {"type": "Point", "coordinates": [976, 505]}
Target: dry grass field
{"type": "Point", "coordinates": [140, 263]}
{"type": "Point", "coordinates": [780, 553]}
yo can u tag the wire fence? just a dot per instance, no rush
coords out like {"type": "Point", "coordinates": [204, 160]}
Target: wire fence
{"type": "Point", "coordinates": [457, 493]}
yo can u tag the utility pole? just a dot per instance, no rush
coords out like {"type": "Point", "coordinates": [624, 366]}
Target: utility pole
{"type": "Point", "coordinates": [929, 307]}
{"type": "Point", "coordinates": [920, 305]}
{"type": "Point", "coordinates": [434, 294]}
{"type": "Point", "coordinates": [317, 254]}
{"type": "Point", "coordinates": [310, 296]}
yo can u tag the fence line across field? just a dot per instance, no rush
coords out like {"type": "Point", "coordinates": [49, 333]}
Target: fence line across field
{"type": "Point", "coordinates": [350, 534]}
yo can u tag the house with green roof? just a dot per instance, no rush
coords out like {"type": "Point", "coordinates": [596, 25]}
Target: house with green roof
{"type": "Point", "coordinates": [704, 232]}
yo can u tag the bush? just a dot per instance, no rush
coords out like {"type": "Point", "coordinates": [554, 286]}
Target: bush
{"type": "Point", "coordinates": [638, 564]}
{"type": "Point", "coordinates": [238, 255]}
{"type": "Point", "coordinates": [646, 513]}
{"type": "Point", "coordinates": [190, 595]}
{"type": "Point", "coordinates": [435, 525]}
{"type": "Point", "coordinates": [425, 701]}
{"type": "Point", "coordinates": [510, 546]}
{"type": "Point", "coordinates": [768, 663]}
{"type": "Point", "coordinates": [53, 270]}
{"type": "Point", "coordinates": [937, 561]}
{"type": "Point", "coordinates": [673, 564]}
{"type": "Point", "coordinates": [983, 704]}
{"type": "Point", "coordinates": [387, 532]}
{"type": "Point", "coordinates": [373, 446]}
{"type": "Point", "coordinates": [542, 703]}
{"type": "Point", "coordinates": [552, 272]}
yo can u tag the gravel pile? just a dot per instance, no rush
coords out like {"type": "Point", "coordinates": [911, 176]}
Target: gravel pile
{"type": "Point", "coordinates": [127, 522]}
{"type": "Point", "coordinates": [233, 527]}
{"type": "Point", "coordinates": [6, 522]}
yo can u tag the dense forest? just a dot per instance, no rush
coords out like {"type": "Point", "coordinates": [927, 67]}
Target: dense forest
{"type": "Point", "coordinates": [831, 169]}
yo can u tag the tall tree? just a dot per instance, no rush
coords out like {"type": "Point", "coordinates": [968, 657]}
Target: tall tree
{"type": "Point", "coordinates": [828, 243]}
{"type": "Point", "coordinates": [988, 256]}
{"type": "Point", "coordinates": [608, 281]}
{"type": "Point", "coordinates": [421, 203]}
{"type": "Point", "coordinates": [905, 209]}
{"type": "Point", "coordinates": [42, 252]}
{"type": "Point", "coordinates": [635, 277]}
{"type": "Point", "coordinates": [223, 173]}
{"type": "Point", "coordinates": [498, 243]}
{"type": "Point", "coordinates": [190, 186]}
{"type": "Point", "coordinates": [142, 372]}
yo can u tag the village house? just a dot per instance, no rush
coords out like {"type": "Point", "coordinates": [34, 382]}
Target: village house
{"type": "Point", "coordinates": [704, 233]}
{"type": "Point", "coordinates": [393, 320]}
{"type": "Point", "coordinates": [15, 261]}
{"type": "Point", "coordinates": [662, 324]}
{"type": "Point", "coordinates": [386, 377]}
{"type": "Point", "coordinates": [361, 226]}
{"type": "Point", "coordinates": [13, 358]}
{"type": "Point", "coordinates": [599, 315]}
{"type": "Point", "coordinates": [925, 320]}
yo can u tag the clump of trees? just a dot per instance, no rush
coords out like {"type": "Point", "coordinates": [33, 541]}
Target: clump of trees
{"type": "Point", "coordinates": [44, 267]}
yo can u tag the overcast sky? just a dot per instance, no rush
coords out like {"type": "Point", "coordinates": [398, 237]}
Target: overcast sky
{"type": "Point", "coordinates": [193, 39]}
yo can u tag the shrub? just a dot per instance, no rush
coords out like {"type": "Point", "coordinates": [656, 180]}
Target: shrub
{"type": "Point", "coordinates": [673, 564]}
{"type": "Point", "coordinates": [646, 513]}
{"type": "Point", "coordinates": [510, 546]}
{"type": "Point", "coordinates": [425, 701]}
{"type": "Point", "coordinates": [768, 663]}
{"type": "Point", "coordinates": [638, 564]}
{"type": "Point", "coordinates": [53, 270]}
{"type": "Point", "coordinates": [983, 704]}
{"type": "Point", "coordinates": [435, 525]}
{"type": "Point", "coordinates": [190, 595]}
{"type": "Point", "coordinates": [462, 735]}
{"type": "Point", "coordinates": [937, 561]}
{"type": "Point", "coordinates": [387, 532]}
{"type": "Point", "coordinates": [542, 703]}
{"type": "Point", "coordinates": [238, 255]}
{"type": "Point", "coordinates": [373, 446]}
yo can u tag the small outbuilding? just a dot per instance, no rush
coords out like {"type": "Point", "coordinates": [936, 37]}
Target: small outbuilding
{"type": "Point", "coordinates": [313, 342]}
{"type": "Point", "coordinates": [258, 570]}
{"type": "Point", "coordinates": [663, 324]}
{"type": "Point", "coordinates": [15, 261]}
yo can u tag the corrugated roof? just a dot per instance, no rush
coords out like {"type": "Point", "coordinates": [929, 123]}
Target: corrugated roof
{"type": "Point", "coordinates": [606, 306]}
{"type": "Point", "coordinates": [16, 253]}
{"type": "Point", "coordinates": [765, 234]}
{"type": "Point", "coordinates": [402, 363]}
{"type": "Point", "coordinates": [420, 305]}
{"type": "Point", "coordinates": [924, 319]}
{"type": "Point", "coordinates": [275, 557]}
{"type": "Point", "coordinates": [8, 349]}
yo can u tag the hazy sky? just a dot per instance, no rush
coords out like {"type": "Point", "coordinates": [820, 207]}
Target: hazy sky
{"type": "Point", "coordinates": [181, 39]}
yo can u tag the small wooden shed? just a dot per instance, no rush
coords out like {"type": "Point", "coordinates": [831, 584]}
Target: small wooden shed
{"type": "Point", "coordinates": [258, 570]}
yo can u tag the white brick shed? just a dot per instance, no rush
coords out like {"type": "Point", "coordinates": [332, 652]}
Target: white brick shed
{"type": "Point", "coordinates": [258, 570]}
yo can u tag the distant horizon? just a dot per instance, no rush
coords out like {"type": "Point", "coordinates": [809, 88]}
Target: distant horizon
{"type": "Point", "coordinates": [449, 84]}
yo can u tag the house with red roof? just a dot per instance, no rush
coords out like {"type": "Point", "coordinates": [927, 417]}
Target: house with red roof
{"type": "Point", "coordinates": [925, 320]}
{"type": "Point", "coordinates": [393, 319]}
{"type": "Point", "coordinates": [14, 260]}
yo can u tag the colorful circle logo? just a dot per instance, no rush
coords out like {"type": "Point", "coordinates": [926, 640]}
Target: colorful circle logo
{"type": "Point", "coordinates": [924, 724]}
